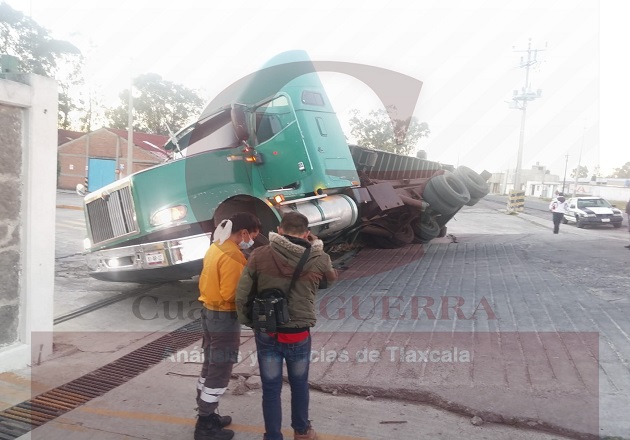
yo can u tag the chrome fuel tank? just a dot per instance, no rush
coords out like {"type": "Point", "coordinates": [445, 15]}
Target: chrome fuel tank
{"type": "Point", "coordinates": [326, 215]}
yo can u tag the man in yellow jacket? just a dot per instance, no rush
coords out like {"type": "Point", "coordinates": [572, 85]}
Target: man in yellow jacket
{"type": "Point", "coordinates": [222, 266]}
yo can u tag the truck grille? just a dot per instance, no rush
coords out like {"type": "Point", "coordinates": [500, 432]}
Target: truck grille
{"type": "Point", "coordinates": [112, 216]}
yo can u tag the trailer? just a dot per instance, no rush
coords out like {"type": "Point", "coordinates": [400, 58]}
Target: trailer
{"type": "Point", "coordinates": [272, 145]}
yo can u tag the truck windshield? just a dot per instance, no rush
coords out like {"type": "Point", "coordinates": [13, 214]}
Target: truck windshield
{"type": "Point", "coordinates": [211, 133]}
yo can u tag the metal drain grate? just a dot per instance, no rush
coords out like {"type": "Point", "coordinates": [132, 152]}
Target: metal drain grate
{"type": "Point", "coordinates": [26, 416]}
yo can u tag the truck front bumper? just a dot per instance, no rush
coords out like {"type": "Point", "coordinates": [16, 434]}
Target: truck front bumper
{"type": "Point", "coordinates": [167, 260]}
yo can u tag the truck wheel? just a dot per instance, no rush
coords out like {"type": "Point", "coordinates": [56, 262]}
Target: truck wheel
{"type": "Point", "coordinates": [477, 187]}
{"type": "Point", "coordinates": [438, 205]}
{"type": "Point", "coordinates": [425, 229]}
{"type": "Point", "coordinates": [400, 239]}
{"type": "Point", "coordinates": [472, 201]}
{"type": "Point", "coordinates": [617, 225]}
{"type": "Point", "coordinates": [448, 188]}
{"type": "Point", "coordinates": [405, 235]}
{"type": "Point", "coordinates": [443, 231]}
{"type": "Point", "coordinates": [564, 220]}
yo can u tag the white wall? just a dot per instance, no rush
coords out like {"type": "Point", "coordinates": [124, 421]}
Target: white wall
{"type": "Point", "coordinates": [605, 191]}
{"type": "Point", "coordinates": [37, 96]}
{"type": "Point", "coordinates": [618, 193]}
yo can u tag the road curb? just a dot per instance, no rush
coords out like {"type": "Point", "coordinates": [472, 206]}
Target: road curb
{"type": "Point", "coordinates": [78, 208]}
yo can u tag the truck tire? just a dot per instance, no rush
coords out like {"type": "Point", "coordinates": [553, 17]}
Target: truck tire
{"type": "Point", "coordinates": [439, 206]}
{"type": "Point", "coordinates": [399, 239]}
{"type": "Point", "coordinates": [446, 193]}
{"type": "Point", "coordinates": [473, 201]}
{"type": "Point", "coordinates": [477, 187]}
{"type": "Point", "coordinates": [564, 220]}
{"type": "Point", "coordinates": [443, 231]}
{"type": "Point", "coordinates": [425, 229]}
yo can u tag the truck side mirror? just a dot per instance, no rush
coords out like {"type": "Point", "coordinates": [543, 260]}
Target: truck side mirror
{"type": "Point", "coordinates": [239, 122]}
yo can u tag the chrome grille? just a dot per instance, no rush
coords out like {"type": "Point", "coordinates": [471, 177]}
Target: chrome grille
{"type": "Point", "coordinates": [112, 216]}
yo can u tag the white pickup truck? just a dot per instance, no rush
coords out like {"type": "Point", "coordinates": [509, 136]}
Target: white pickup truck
{"type": "Point", "coordinates": [592, 211]}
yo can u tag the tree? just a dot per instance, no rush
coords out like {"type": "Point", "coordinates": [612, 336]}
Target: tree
{"type": "Point", "coordinates": [156, 104]}
{"type": "Point", "coordinates": [580, 171]}
{"type": "Point", "coordinates": [37, 52]}
{"type": "Point", "coordinates": [91, 108]}
{"type": "Point", "coordinates": [381, 132]}
{"type": "Point", "coordinates": [622, 173]}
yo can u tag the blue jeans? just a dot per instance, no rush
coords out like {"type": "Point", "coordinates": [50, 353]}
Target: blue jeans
{"type": "Point", "coordinates": [297, 356]}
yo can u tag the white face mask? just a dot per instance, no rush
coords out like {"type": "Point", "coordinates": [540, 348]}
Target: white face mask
{"type": "Point", "coordinates": [246, 244]}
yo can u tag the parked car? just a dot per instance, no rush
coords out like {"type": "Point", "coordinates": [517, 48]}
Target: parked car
{"type": "Point", "coordinates": [592, 211]}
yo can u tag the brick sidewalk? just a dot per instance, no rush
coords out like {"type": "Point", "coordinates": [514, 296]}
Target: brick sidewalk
{"type": "Point", "coordinates": [543, 351]}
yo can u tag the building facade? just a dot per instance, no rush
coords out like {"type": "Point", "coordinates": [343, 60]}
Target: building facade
{"type": "Point", "coordinates": [100, 157]}
{"type": "Point", "coordinates": [503, 183]}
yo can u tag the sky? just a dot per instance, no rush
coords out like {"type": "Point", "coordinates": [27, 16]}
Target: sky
{"type": "Point", "coordinates": [466, 52]}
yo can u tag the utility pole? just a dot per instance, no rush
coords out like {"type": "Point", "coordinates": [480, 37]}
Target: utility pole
{"type": "Point", "coordinates": [566, 162]}
{"type": "Point", "coordinates": [519, 102]}
{"type": "Point", "coordinates": [577, 171]}
{"type": "Point", "coordinates": [130, 132]}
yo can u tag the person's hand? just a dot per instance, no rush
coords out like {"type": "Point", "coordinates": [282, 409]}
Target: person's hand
{"type": "Point", "coordinates": [311, 237]}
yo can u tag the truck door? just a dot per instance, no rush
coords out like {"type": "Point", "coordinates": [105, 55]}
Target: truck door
{"type": "Point", "coordinates": [279, 140]}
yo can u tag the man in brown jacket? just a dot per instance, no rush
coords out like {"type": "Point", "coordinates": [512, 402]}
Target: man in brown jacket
{"type": "Point", "coordinates": [273, 266]}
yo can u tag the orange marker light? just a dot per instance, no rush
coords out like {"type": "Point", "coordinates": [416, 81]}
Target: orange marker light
{"type": "Point", "coordinates": [279, 198]}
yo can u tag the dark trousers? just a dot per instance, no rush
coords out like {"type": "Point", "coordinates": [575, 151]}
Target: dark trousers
{"type": "Point", "coordinates": [221, 341]}
{"type": "Point", "coordinates": [557, 218]}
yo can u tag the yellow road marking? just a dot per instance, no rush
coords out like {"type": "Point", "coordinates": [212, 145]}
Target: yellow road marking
{"type": "Point", "coordinates": [132, 415]}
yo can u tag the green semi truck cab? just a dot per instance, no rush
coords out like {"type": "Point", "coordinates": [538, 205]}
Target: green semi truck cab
{"type": "Point", "coordinates": [271, 145]}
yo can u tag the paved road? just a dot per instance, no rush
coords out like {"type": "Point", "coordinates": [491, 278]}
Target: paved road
{"type": "Point", "coordinates": [540, 208]}
{"type": "Point", "coordinates": [75, 289]}
{"type": "Point", "coordinates": [543, 319]}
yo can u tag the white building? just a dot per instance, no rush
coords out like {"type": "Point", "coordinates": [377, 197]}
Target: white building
{"type": "Point", "coordinates": [503, 183]}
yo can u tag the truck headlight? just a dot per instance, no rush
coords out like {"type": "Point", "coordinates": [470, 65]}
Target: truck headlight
{"type": "Point", "coordinates": [169, 215]}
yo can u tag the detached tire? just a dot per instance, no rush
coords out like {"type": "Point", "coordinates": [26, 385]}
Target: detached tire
{"type": "Point", "coordinates": [477, 187]}
{"type": "Point", "coordinates": [446, 193]}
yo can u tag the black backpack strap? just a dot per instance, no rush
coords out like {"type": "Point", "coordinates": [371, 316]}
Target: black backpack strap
{"type": "Point", "coordinates": [299, 267]}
